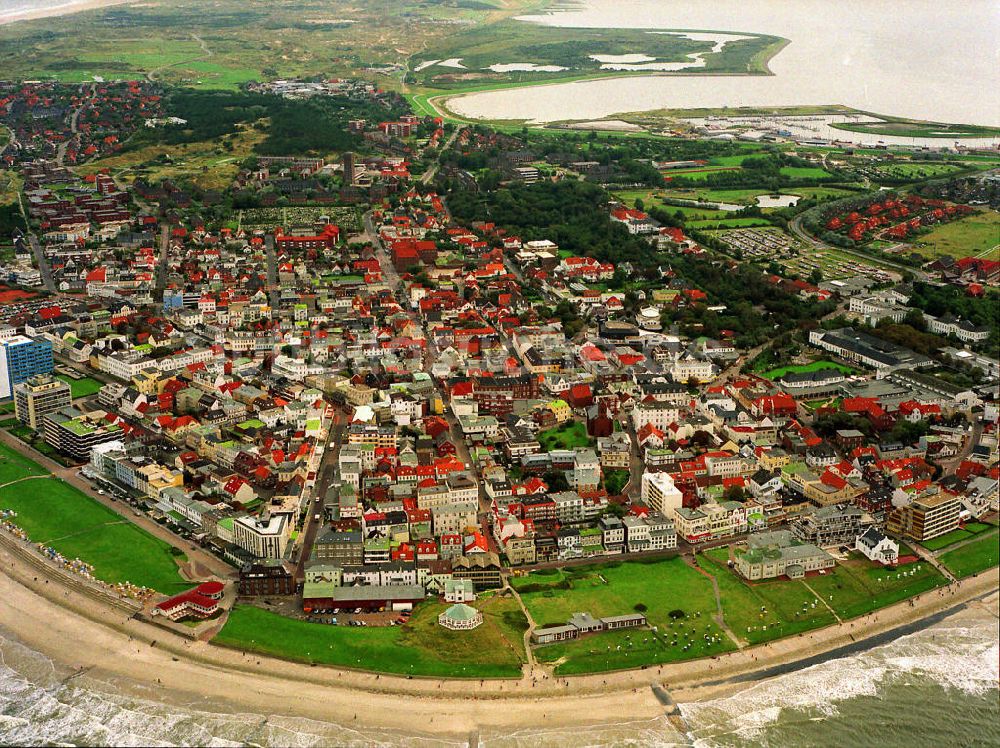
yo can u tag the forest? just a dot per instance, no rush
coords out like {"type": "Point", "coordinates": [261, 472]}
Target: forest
{"type": "Point", "coordinates": [572, 214]}
{"type": "Point", "coordinates": [314, 126]}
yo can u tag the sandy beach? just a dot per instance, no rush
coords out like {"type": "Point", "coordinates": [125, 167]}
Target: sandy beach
{"type": "Point", "coordinates": [151, 662]}
{"type": "Point", "coordinates": [63, 9]}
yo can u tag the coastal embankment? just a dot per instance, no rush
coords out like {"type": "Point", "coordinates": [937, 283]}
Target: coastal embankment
{"type": "Point", "coordinates": [84, 635]}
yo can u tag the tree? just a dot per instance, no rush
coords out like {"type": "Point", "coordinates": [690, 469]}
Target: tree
{"type": "Point", "coordinates": [735, 493]}
{"type": "Point", "coordinates": [556, 480]}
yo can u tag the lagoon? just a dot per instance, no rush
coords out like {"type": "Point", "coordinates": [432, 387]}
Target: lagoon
{"type": "Point", "coordinates": [920, 59]}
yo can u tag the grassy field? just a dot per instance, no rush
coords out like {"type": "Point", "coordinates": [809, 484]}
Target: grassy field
{"type": "Point", "coordinates": [572, 50]}
{"type": "Point", "coordinates": [857, 587]}
{"type": "Point", "coordinates": [763, 611]}
{"type": "Point", "coordinates": [977, 235]}
{"type": "Point", "coordinates": [699, 175]}
{"type": "Point", "coordinates": [207, 163]}
{"type": "Point", "coordinates": [804, 172]}
{"type": "Point", "coordinates": [422, 647]}
{"type": "Point", "coordinates": [616, 589]}
{"type": "Point", "coordinates": [568, 435]}
{"type": "Point", "coordinates": [81, 387]}
{"type": "Point", "coordinates": [59, 515]}
{"type": "Point", "coordinates": [806, 369]}
{"type": "Point", "coordinates": [977, 556]}
{"type": "Point", "coordinates": [749, 196]}
{"type": "Point", "coordinates": [15, 466]}
{"type": "Point", "coordinates": [728, 223]}
{"type": "Point", "coordinates": [917, 129]}
{"type": "Point", "coordinates": [698, 214]}
{"type": "Point", "coordinates": [915, 170]}
{"type": "Point", "coordinates": [970, 530]}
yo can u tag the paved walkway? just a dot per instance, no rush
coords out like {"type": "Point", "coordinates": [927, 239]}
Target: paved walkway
{"type": "Point", "coordinates": [532, 663]}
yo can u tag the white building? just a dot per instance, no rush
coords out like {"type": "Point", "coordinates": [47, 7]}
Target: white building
{"type": "Point", "coordinates": [660, 493]}
{"type": "Point", "coordinates": [264, 537]}
{"type": "Point", "coordinates": [877, 547]}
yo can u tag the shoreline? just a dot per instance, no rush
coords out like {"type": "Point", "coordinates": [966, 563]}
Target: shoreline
{"type": "Point", "coordinates": [53, 11]}
{"type": "Point", "coordinates": [86, 636]}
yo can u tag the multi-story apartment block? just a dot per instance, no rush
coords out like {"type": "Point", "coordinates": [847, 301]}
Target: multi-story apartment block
{"type": "Point", "coordinates": [923, 517]}
{"type": "Point", "coordinates": [21, 358]}
{"type": "Point", "coordinates": [263, 537]}
{"type": "Point", "coordinates": [38, 396]}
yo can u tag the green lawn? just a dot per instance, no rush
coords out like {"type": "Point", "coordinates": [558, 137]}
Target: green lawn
{"type": "Point", "coordinates": [81, 387]}
{"type": "Point", "coordinates": [975, 235]}
{"type": "Point", "coordinates": [977, 556]}
{"type": "Point", "coordinates": [14, 466]}
{"type": "Point", "coordinates": [728, 223]}
{"type": "Point", "coordinates": [700, 174]}
{"type": "Point", "coordinates": [970, 530]}
{"type": "Point", "coordinates": [856, 587]}
{"type": "Point", "coordinates": [806, 369]}
{"type": "Point", "coordinates": [943, 541]}
{"type": "Point", "coordinates": [615, 589]}
{"type": "Point", "coordinates": [59, 515]}
{"type": "Point", "coordinates": [763, 611]}
{"type": "Point", "coordinates": [804, 172]}
{"type": "Point", "coordinates": [422, 647]}
{"type": "Point", "coordinates": [567, 435]}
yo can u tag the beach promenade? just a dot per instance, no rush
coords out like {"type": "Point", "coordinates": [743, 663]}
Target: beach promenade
{"type": "Point", "coordinates": [81, 634]}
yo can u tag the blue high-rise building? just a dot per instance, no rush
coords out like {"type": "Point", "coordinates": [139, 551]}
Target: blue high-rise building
{"type": "Point", "coordinates": [22, 357]}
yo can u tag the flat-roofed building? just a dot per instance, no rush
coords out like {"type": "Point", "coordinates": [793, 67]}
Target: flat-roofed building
{"type": "Point", "coordinates": [39, 396]}
{"type": "Point", "coordinates": [923, 517]}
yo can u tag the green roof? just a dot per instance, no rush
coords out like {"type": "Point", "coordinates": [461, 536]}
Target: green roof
{"type": "Point", "coordinates": [461, 612]}
{"type": "Point", "coordinates": [252, 423]}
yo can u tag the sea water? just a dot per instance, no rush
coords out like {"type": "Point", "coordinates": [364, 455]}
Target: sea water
{"type": "Point", "coordinates": [936, 687]}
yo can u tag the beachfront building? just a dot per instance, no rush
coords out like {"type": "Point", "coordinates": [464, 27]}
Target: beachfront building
{"type": "Point", "coordinates": [200, 602]}
{"type": "Point", "coordinates": [921, 518]}
{"type": "Point", "coordinates": [768, 555]}
{"type": "Point", "coordinates": [459, 591]}
{"type": "Point", "coordinates": [75, 433]}
{"type": "Point", "coordinates": [461, 617]}
{"type": "Point", "coordinates": [660, 493]}
{"type": "Point", "coordinates": [265, 536]}
{"type": "Point", "coordinates": [877, 547]}
{"type": "Point", "coordinates": [21, 358]}
{"type": "Point", "coordinates": [581, 624]}
{"type": "Point", "coordinates": [838, 524]}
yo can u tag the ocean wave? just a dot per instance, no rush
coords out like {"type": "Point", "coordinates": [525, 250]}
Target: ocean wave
{"type": "Point", "coordinates": [40, 706]}
{"type": "Point", "coordinates": [959, 658]}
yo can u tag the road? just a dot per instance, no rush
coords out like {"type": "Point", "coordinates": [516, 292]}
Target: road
{"type": "Point", "coordinates": [73, 128]}
{"type": "Point", "coordinates": [950, 466]}
{"type": "Point", "coordinates": [429, 359]}
{"type": "Point", "coordinates": [43, 264]}
{"type": "Point", "coordinates": [273, 294]}
{"type": "Point", "coordinates": [324, 477]}
{"type": "Point", "coordinates": [160, 281]}
{"type": "Point", "coordinates": [433, 168]}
